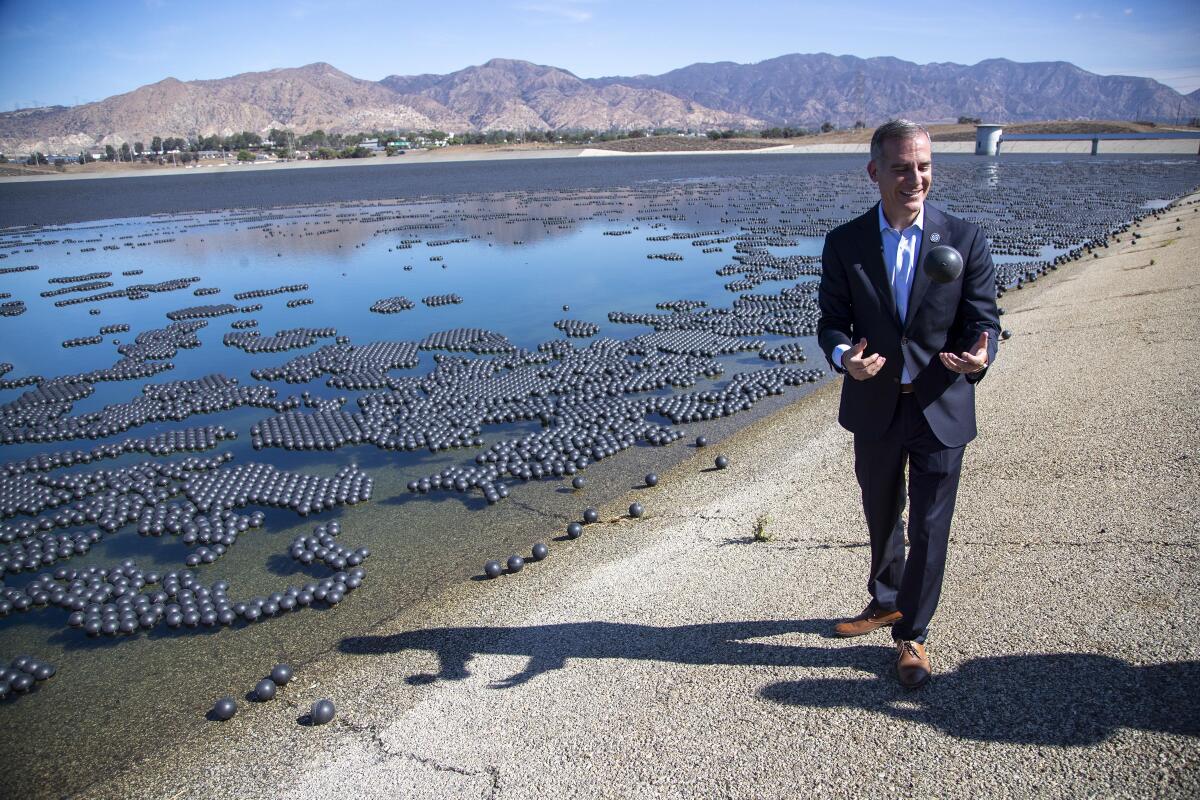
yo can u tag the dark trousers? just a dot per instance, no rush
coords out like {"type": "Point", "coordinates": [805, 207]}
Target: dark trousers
{"type": "Point", "coordinates": [913, 585]}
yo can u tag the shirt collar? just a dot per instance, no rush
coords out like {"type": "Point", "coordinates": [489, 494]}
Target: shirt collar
{"type": "Point", "coordinates": [918, 223]}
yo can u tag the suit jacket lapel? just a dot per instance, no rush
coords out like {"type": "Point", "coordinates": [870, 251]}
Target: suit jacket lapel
{"type": "Point", "coordinates": [873, 262]}
{"type": "Point", "coordinates": [933, 225]}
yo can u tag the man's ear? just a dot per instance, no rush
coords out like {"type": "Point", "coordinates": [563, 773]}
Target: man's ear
{"type": "Point", "coordinates": [871, 171]}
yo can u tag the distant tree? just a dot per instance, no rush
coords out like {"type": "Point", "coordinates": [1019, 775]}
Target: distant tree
{"type": "Point", "coordinates": [1194, 122]}
{"type": "Point", "coordinates": [279, 139]}
{"type": "Point", "coordinates": [636, 134]}
{"type": "Point", "coordinates": [60, 164]}
{"type": "Point", "coordinates": [156, 144]}
{"type": "Point", "coordinates": [37, 159]}
{"type": "Point", "coordinates": [714, 135]}
{"type": "Point", "coordinates": [859, 125]}
{"type": "Point", "coordinates": [324, 153]}
{"type": "Point", "coordinates": [126, 152]}
{"type": "Point", "coordinates": [3, 158]}
{"type": "Point", "coordinates": [110, 153]}
{"type": "Point", "coordinates": [84, 158]}
{"type": "Point", "coordinates": [245, 155]}
{"type": "Point", "coordinates": [139, 148]}
{"type": "Point", "coordinates": [969, 120]}
{"type": "Point", "coordinates": [186, 157]}
{"type": "Point", "coordinates": [826, 126]}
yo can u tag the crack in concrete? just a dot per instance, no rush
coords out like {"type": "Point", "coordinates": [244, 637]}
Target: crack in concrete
{"type": "Point", "coordinates": [375, 737]}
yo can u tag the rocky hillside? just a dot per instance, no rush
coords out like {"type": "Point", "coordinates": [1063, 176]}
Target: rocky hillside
{"type": "Point", "coordinates": [504, 94]}
{"type": "Point", "coordinates": [517, 95]}
{"type": "Point", "coordinates": [808, 89]}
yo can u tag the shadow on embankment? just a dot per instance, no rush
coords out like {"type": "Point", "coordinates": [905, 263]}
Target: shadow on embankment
{"type": "Point", "coordinates": [1055, 699]}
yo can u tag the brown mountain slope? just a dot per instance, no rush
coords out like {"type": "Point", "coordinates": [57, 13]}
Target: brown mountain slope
{"type": "Point", "coordinates": [507, 94]}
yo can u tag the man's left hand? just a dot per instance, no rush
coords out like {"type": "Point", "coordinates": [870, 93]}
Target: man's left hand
{"type": "Point", "coordinates": [974, 360]}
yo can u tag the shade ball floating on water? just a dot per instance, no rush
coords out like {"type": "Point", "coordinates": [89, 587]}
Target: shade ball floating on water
{"type": "Point", "coordinates": [943, 264]}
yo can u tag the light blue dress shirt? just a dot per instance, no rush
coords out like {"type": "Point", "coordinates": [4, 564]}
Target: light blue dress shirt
{"type": "Point", "coordinates": [900, 251]}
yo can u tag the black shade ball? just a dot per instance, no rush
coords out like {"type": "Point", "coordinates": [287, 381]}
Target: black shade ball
{"type": "Point", "coordinates": [281, 674]}
{"type": "Point", "coordinates": [1006, 334]}
{"type": "Point", "coordinates": [322, 712]}
{"type": "Point", "coordinates": [578, 482]}
{"type": "Point", "coordinates": [515, 563]}
{"type": "Point", "coordinates": [265, 689]}
{"type": "Point", "coordinates": [701, 441]}
{"type": "Point", "coordinates": [943, 264]}
{"type": "Point", "coordinates": [590, 515]}
{"type": "Point", "coordinates": [574, 530]}
{"type": "Point", "coordinates": [636, 510]}
{"type": "Point", "coordinates": [493, 569]}
{"type": "Point", "coordinates": [651, 479]}
{"type": "Point", "coordinates": [540, 551]}
{"type": "Point", "coordinates": [722, 462]}
{"type": "Point", "coordinates": [224, 708]}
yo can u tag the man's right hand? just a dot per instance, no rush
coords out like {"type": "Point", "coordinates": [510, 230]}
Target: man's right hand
{"type": "Point", "coordinates": [861, 368]}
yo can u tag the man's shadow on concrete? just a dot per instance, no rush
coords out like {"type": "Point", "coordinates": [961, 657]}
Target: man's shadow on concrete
{"type": "Point", "coordinates": [1061, 699]}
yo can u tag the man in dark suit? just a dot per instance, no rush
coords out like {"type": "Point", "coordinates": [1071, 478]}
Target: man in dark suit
{"type": "Point", "coordinates": [912, 350]}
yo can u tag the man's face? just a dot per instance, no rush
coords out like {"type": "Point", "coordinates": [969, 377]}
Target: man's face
{"type": "Point", "coordinates": [904, 175]}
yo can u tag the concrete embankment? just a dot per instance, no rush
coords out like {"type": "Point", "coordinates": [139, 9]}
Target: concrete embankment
{"type": "Point", "coordinates": [675, 656]}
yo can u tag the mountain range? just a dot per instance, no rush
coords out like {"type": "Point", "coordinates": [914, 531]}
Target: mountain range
{"type": "Point", "coordinates": [505, 94]}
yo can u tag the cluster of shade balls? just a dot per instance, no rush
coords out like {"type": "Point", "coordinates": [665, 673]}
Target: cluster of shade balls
{"type": "Point", "coordinates": [22, 674]}
{"type": "Point", "coordinates": [323, 711]}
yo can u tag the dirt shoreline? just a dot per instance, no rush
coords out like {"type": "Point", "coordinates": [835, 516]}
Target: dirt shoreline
{"type": "Point", "coordinates": [673, 656]}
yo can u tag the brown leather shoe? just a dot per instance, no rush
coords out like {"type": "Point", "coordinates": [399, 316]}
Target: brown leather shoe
{"type": "Point", "coordinates": [912, 665]}
{"type": "Point", "coordinates": [867, 621]}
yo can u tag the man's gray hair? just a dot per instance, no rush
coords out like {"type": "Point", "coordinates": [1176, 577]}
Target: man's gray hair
{"type": "Point", "coordinates": [901, 129]}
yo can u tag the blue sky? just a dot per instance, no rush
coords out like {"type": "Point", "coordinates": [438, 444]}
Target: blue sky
{"type": "Point", "coordinates": [73, 52]}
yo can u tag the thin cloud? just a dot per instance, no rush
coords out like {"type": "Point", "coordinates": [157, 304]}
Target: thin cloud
{"type": "Point", "coordinates": [566, 10]}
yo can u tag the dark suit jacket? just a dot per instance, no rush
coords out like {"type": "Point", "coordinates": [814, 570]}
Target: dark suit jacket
{"type": "Point", "coordinates": [856, 301]}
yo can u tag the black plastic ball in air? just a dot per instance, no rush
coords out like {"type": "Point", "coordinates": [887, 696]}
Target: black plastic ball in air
{"type": "Point", "coordinates": [943, 264]}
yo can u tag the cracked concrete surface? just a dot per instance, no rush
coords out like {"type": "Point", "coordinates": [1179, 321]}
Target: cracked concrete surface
{"type": "Point", "coordinates": [674, 656]}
